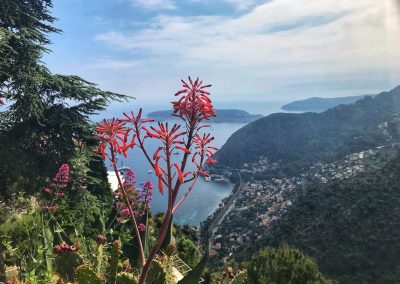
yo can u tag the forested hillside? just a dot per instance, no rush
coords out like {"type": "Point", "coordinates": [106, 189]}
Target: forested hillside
{"type": "Point", "coordinates": [303, 139]}
{"type": "Point", "coordinates": [351, 227]}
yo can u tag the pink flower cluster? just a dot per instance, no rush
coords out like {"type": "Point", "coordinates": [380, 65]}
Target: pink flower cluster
{"type": "Point", "coordinates": [139, 200]}
{"type": "Point", "coordinates": [146, 195]}
{"type": "Point", "coordinates": [64, 247]}
{"type": "Point", "coordinates": [142, 227]}
{"type": "Point", "coordinates": [59, 182]}
{"type": "Point", "coordinates": [130, 178]}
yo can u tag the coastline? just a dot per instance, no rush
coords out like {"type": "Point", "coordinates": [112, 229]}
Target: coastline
{"type": "Point", "coordinates": [209, 226]}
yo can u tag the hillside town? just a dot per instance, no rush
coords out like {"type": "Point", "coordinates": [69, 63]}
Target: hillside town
{"type": "Point", "coordinates": [257, 204]}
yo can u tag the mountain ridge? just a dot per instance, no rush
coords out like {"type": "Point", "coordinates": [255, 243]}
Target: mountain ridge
{"type": "Point", "coordinates": [306, 138]}
{"type": "Point", "coordinates": [319, 104]}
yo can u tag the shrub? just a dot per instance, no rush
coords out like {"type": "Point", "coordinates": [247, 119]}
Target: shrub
{"type": "Point", "coordinates": [283, 265]}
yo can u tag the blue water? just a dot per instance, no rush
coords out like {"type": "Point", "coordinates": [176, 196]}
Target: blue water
{"type": "Point", "coordinates": [205, 196]}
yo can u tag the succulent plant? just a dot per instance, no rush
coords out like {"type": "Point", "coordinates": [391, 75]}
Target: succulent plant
{"type": "Point", "coordinates": [86, 275]}
{"type": "Point", "coordinates": [66, 263]}
{"type": "Point", "coordinates": [113, 265]}
{"type": "Point", "coordinates": [126, 278]}
{"type": "Point", "coordinates": [157, 273]}
{"type": "Point", "coordinates": [194, 276]}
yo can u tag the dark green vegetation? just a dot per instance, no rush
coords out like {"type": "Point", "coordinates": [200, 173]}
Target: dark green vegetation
{"type": "Point", "coordinates": [299, 140]}
{"type": "Point", "coordinates": [47, 122]}
{"type": "Point", "coordinates": [222, 115]}
{"type": "Point", "coordinates": [316, 104]}
{"type": "Point", "coordinates": [351, 227]}
{"type": "Point", "coordinates": [283, 265]}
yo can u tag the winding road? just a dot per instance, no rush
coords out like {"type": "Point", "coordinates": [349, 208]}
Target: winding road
{"type": "Point", "coordinates": [220, 216]}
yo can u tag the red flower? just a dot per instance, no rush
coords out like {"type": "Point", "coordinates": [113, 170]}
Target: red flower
{"type": "Point", "coordinates": [64, 247]}
{"type": "Point", "coordinates": [170, 139]}
{"type": "Point", "coordinates": [204, 151]}
{"type": "Point", "coordinates": [114, 135]}
{"type": "Point", "coordinates": [211, 161]}
{"type": "Point", "coordinates": [194, 104]}
{"type": "Point", "coordinates": [1, 101]}
{"type": "Point", "coordinates": [101, 240]}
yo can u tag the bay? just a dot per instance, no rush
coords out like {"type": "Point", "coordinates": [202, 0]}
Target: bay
{"type": "Point", "coordinates": [205, 196]}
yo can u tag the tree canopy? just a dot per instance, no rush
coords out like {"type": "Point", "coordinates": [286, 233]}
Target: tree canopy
{"type": "Point", "coordinates": [46, 118]}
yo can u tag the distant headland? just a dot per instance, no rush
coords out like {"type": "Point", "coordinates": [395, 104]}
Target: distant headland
{"type": "Point", "coordinates": [222, 116]}
{"type": "Point", "coordinates": [317, 104]}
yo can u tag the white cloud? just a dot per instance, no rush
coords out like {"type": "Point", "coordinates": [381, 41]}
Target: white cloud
{"type": "Point", "coordinates": [275, 44]}
{"type": "Point", "coordinates": [156, 4]}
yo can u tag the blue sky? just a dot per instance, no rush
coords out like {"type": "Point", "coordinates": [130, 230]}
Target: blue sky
{"type": "Point", "coordinates": [250, 50]}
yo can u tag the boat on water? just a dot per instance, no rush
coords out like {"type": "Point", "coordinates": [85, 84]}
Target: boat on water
{"type": "Point", "coordinates": [124, 168]}
{"type": "Point", "coordinates": [149, 171]}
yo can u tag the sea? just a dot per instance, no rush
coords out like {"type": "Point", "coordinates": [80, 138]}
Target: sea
{"type": "Point", "coordinates": [205, 197]}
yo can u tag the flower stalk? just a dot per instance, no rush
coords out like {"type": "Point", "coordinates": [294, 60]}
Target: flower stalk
{"type": "Point", "coordinates": [193, 107]}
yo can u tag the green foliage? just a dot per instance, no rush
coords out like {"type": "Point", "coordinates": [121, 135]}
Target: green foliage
{"type": "Point", "coordinates": [168, 236]}
{"type": "Point", "coordinates": [126, 278]}
{"type": "Point", "coordinates": [41, 129]}
{"type": "Point", "coordinates": [66, 263]}
{"type": "Point", "coordinates": [240, 278]}
{"type": "Point", "coordinates": [228, 277]}
{"type": "Point", "coordinates": [194, 276]}
{"type": "Point", "coordinates": [146, 233]}
{"type": "Point", "coordinates": [187, 251]}
{"type": "Point", "coordinates": [283, 265]}
{"type": "Point", "coordinates": [48, 239]}
{"type": "Point", "coordinates": [114, 258]}
{"type": "Point", "coordinates": [21, 241]}
{"type": "Point", "coordinates": [157, 273]}
{"type": "Point", "coordinates": [351, 227]}
{"type": "Point", "coordinates": [99, 257]}
{"type": "Point", "coordinates": [85, 275]}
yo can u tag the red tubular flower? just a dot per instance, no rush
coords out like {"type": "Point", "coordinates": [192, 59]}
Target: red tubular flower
{"type": "Point", "coordinates": [194, 104]}
{"type": "Point", "coordinates": [114, 135]}
{"type": "Point", "coordinates": [204, 151]}
{"type": "Point", "coordinates": [170, 138]}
